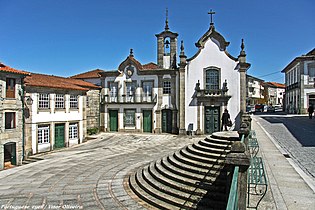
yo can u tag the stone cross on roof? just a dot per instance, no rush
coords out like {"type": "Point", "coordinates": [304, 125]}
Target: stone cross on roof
{"type": "Point", "coordinates": [211, 13]}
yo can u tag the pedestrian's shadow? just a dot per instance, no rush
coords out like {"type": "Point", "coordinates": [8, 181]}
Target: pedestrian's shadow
{"type": "Point", "coordinates": [301, 127]}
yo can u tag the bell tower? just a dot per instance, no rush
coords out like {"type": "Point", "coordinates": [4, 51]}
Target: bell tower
{"type": "Point", "coordinates": [166, 47]}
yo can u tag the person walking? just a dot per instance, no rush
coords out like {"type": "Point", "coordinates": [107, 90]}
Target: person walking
{"type": "Point", "coordinates": [310, 111]}
{"type": "Point", "coordinates": [225, 119]}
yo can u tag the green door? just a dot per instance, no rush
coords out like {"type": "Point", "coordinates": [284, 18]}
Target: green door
{"type": "Point", "coordinates": [59, 135]}
{"type": "Point", "coordinates": [147, 121]}
{"type": "Point", "coordinates": [113, 120]}
{"type": "Point", "coordinates": [13, 154]}
{"type": "Point", "coordinates": [212, 119]}
{"type": "Point", "coordinates": [10, 153]}
{"type": "Point", "coordinates": [167, 121]}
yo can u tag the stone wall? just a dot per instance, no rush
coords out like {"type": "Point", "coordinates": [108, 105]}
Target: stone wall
{"type": "Point", "coordinates": [93, 109]}
{"type": "Point", "coordinates": [14, 105]}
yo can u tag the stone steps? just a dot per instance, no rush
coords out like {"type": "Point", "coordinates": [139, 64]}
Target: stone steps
{"type": "Point", "coordinates": [184, 173]}
{"type": "Point", "coordinates": [171, 183]}
{"type": "Point", "coordinates": [214, 155]}
{"type": "Point", "coordinates": [189, 166]}
{"type": "Point", "coordinates": [208, 148]}
{"type": "Point", "coordinates": [178, 156]}
{"type": "Point", "coordinates": [191, 178]}
{"type": "Point", "coordinates": [186, 153]}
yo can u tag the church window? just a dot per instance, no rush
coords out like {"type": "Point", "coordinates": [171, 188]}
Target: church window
{"type": "Point", "coordinates": [212, 79]}
{"type": "Point", "coordinates": [167, 87]}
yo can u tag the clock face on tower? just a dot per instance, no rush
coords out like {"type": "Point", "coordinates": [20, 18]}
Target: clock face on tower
{"type": "Point", "coordinates": [129, 70]}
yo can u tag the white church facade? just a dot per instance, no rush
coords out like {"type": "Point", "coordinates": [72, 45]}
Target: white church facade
{"type": "Point", "coordinates": [173, 96]}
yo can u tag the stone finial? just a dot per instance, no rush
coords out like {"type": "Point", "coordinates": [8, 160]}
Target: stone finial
{"type": "Point", "coordinates": [166, 21]}
{"type": "Point", "coordinates": [197, 87]}
{"type": "Point", "coordinates": [242, 48]}
{"type": "Point", "coordinates": [131, 52]}
{"type": "Point", "coordinates": [182, 55]}
{"type": "Point", "coordinates": [182, 48]}
{"type": "Point", "coordinates": [242, 56]}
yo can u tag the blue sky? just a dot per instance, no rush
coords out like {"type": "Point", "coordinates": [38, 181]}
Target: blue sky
{"type": "Point", "coordinates": [67, 37]}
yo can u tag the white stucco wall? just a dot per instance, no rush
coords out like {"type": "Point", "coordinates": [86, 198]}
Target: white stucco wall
{"type": "Point", "coordinates": [53, 116]}
{"type": "Point", "coordinates": [211, 56]}
{"type": "Point", "coordinates": [122, 80]}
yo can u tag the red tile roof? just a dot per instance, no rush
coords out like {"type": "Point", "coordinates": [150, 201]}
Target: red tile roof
{"type": "Point", "coordinates": [51, 81]}
{"type": "Point", "coordinates": [8, 69]}
{"type": "Point", "coordinates": [89, 74]}
{"type": "Point", "coordinates": [275, 84]}
{"type": "Point", "coordinates": [150, 66]}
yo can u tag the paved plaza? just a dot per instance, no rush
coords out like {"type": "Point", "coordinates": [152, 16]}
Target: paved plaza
{"type": "Point", "coordinates": [87, 176]}
{"type": "Point", "coordinates": [92, 175]}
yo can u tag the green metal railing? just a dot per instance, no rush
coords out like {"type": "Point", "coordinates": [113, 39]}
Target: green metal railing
{"type": "Point", "coordinates": [233, 195]}
{"type": "Point", "coordinates": [233, 198]}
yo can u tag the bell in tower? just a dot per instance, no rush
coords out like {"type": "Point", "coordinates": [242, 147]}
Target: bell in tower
{"type": "Point", "coordinates": [166, 47]}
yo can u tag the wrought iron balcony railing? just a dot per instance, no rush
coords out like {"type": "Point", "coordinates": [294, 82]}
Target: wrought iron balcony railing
{"type": "Point", "coordinates": [129, 98]}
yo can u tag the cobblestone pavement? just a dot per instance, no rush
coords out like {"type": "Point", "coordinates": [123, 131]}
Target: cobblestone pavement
{"type": "Point", "coordinates": [295, 134]}
{"type": "Point", "coordinates": [87, 176]}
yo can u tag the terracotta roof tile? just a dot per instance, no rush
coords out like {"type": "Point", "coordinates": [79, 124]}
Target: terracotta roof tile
{"type": "Point", "coordinates": [150, 66]}
{"type": "Point", "coordinates": [275, 84]}
{"type": "Point", "coordinates": [8, 69]}
{"type": "Point", "coordinates": [51, 81]}
{"type": "Point", "coordinates": [89, 74]}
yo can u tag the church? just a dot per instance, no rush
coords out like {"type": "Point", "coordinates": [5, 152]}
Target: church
{"type": "Point", "coordinates": [176, 94]}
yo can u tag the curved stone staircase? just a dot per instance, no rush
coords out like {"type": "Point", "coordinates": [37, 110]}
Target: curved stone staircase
{"type": "Point", "coordinates": [192, 178]}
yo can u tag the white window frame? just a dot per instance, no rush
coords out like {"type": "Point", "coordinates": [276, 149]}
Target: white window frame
{"type": "Point", "coordinates": [129, 120]}
{"type": "Point", "coordinates": [59, 101]}
{"type": "Point", "coordinates": [74, 102]}
{"type": "Point", "coordinates": [212, 79]}
{"type": "Point", "coordinates": [43, 134]}
{"type": "Point", "coordinates": [73, 131]}
{"type": "Point", "coordinates": [43, 101]}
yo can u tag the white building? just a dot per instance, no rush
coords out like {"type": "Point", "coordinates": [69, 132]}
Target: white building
{"type": "Point", "coordinates": [55, 112]}
{"type": "Point", "coordinates": [139, 98]}
{"type": "Point", "coordinates": [167, 98]}
{"type": "Point", "coordinates": [255, 90]}
{"type": "Point", "coordinates": [11, 116]}
{"type": "Point", "coordinates": [214, 81]}
{"type": "Point", "coordinates": [300, 83]}
{"type": "Point", "coordinates": [274, 93]}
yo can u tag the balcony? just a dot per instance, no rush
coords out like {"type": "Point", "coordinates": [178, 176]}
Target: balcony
{"type": "Point", "coordinates": [212, 95]}
{"type": "Point", "coordinates": [129, 98]}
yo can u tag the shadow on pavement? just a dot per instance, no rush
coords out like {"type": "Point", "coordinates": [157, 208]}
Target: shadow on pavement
{"type": "Point", "coordinates": [301, 127]}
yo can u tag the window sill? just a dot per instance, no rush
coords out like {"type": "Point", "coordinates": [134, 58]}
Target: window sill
{"type": "Point", "coordinates": [60, 109]}
{"type": "Point", "coordinates": [130, 127]}
{"type": "Point", "coordinates": [46, 143]}
{"type": "Point", "coordinates": [9, 129]}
